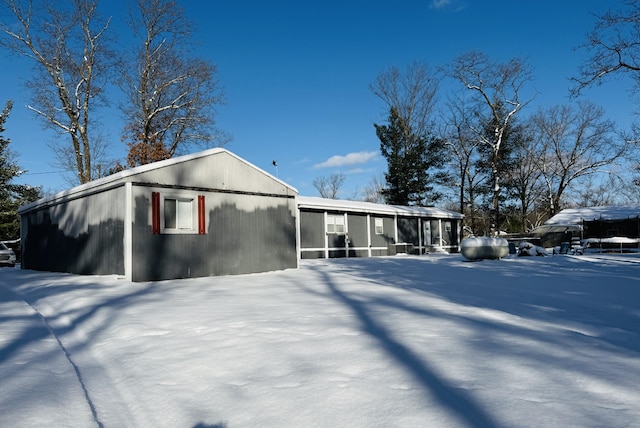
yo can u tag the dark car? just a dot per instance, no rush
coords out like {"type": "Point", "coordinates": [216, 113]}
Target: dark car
{"type": "Point", "coordinates": [7, 256]}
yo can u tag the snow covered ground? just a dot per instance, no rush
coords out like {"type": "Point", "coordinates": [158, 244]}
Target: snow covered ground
{"type": "Point", "coordinates": [430, 341]}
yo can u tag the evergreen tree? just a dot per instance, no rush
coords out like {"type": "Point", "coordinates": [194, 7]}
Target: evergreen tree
{"type": "Point", "coordinates": [409, 158]}
{"type": "Point", "coordinates": [11, 195]}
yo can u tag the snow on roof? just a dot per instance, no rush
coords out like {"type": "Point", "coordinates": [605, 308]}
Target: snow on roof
{"type": "Point", "coordinates": [373, 208]}
{"type": "Point", "coordinates": [577, 215]}
{"type": "Point", "coordinates": [141, 169]}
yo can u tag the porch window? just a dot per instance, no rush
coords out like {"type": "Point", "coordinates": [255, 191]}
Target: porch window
{"type": "Point", "coordinates": [178, 214]}
{"type": "Point", "coordinates": [335, 224]}
{"type": "Point", "coordinates": [379, 226]}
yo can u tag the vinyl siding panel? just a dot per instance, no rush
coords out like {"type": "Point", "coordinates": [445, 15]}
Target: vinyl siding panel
{"type": "Point", "coordinates": [312, 234]}
{"type": "Point", "coordinates": [81, 236]}
{"type": "Point", "coordinates": [244, 234]}
{"type": "Point", "coordinates": [358, 232]}
{"type": "Point", "coordinates": [408, 230]}
{"type": "Point", "coordinates": [387, 237]}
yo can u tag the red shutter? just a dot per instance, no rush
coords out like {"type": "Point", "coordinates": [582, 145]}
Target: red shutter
{"type": "Point", "coordinates": [201, 215]}
{"type": "Point", "coordinates": [155, 213]}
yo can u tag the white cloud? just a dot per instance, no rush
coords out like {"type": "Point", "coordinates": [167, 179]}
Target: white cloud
{"type": "Point", "coordinates": [359, 171]}
{"type": "Point", "coordinates": [439, 4]}
{"type": "Point", "coordinates": [451, 5]}
{"type": "Point", "coordinates": [349, 159]}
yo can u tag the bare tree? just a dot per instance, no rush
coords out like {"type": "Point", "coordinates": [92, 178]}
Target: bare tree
{"type": "Point", "coordinates": [596, 190]}
{"type": "Point", "coordinates": [498, 89]}
{"type": "Point", "coordinates": [576, 141]}
{"type": "Point", "coordinates": [170, 94]}
{"type": "Point", "coordinates": [614, 47]}
{"type": "Point", "coordinates": [627, 191]}
{"type": "Point", "coordinates": [329, 186]}
{"type": "Point", "coordinates": [412, 93]}
{"type": "Point", "coordinates": [414, 155]}
{"type": "Point", "coordinates": [64, 159]}
{"type": "Point", "coordinates": [457, 132]}
{"type": "Point", "coordinates": [373, 190]}
{"type": "Point", "coordinates": [526, 184]}
{"type": "Point", "coordinates": [67, 43]}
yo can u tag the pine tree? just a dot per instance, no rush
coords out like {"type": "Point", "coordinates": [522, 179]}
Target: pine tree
{"type": "Point", "coordinates": [11, 195]}
{"type": "Point", "coordinates": [409, 158]}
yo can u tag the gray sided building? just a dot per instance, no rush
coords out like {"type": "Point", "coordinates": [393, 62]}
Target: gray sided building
{"type": "Point", "coordinates": [210, 213]}
{"type": "Point", "coordinates": [338, 228]}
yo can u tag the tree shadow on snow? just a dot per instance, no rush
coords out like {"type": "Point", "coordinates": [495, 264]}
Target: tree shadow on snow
{"type": "Point", "coordinates": [462, 405]}
{"type": "Point", "coordinates": [35, 325]}
{"type": "Point", "coordinates": [203, 425]}
{"type": "Point", "coordinates": [570, 292]}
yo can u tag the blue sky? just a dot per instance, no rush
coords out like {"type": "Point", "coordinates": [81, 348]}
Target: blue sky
{"type": "Point", "coordinates": [296, 75]}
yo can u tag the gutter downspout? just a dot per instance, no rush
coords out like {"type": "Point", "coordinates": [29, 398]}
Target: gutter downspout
{"type": "Point", "coordinates": [128, 231]}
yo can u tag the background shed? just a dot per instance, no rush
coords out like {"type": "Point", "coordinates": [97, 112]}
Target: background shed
{"type": "Point", "coordinates": [603, 227]}
{"type": "Point", "coordinates": [616, 227]}
{"type": "Point", "coordinates": [209, 213]}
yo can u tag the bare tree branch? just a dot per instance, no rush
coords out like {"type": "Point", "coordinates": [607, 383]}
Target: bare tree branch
{"type": "Point", "coordinates": [575, 142]}
{"type": "Point", "coordinates": [329, 187]}
{"type": "Point", "coordinates": [458, 133]}
{"type": "Point", "coordinates": [70, 52]}
{"type": "Point", "coordinates": [498, 88]}
{"type": "Point", "coordinates": [412, 93]}
{"type": "Point", "coordinates": [613, 47]}
{"type": "Point", "coordinates": [170, 95]}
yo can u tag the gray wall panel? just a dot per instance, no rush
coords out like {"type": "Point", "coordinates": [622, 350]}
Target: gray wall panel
{"type": "Point", "coordinates": [357, 230]}
{"type": "Point", "coordinates": [408, 230]}
{"type": "Point", "coordinates": [239, 239]}
{"type": "Point", "coordinates": [388, 234]}
{"type": "Point", "coordinates": [335, 240]}
{"type": "Point", "coordinates": [312, 254]}
{"type": "Point", "coordinates": [81, 236]}
{"type": "Point", "coordinates": [312, 229]}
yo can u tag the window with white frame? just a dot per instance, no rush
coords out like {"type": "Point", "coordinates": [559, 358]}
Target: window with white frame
{"type": "Point", "coordinates": [178, 213]}
{"type": "Point", "coordinates": [335, 223]}
{"type": "Point", "coordinates": [379, 226]}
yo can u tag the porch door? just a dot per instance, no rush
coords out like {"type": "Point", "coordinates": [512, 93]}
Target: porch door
{"type": "Point", "coordinates": [426, 233]}
{"type": "Point", "coordinates": [435, 233]}
{"type": "Point", "coordinates": [447, 233]}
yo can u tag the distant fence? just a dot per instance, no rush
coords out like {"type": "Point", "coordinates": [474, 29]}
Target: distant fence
{"type": "Point", "coordinates": [599, 228]}
{"type": "Point", "coordinates": [612, 235]}
{"type": "Point", "coordinates": [597, 232]}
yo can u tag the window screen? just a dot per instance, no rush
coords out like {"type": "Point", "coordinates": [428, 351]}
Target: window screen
{"type": "Point", "coordinates": [178, 214]}
{"type": "Point", "coordinates": [379, 226]}
{"type": "Point", "coordinates": [335, 223]}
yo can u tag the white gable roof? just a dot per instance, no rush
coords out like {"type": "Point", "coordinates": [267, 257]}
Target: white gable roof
{"type": "Point", "coordinates": [576, 215]}
{"type": "Point", "coordinates": [312, 202]}
{"type": "Point", "coordinates": [113, 178]}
